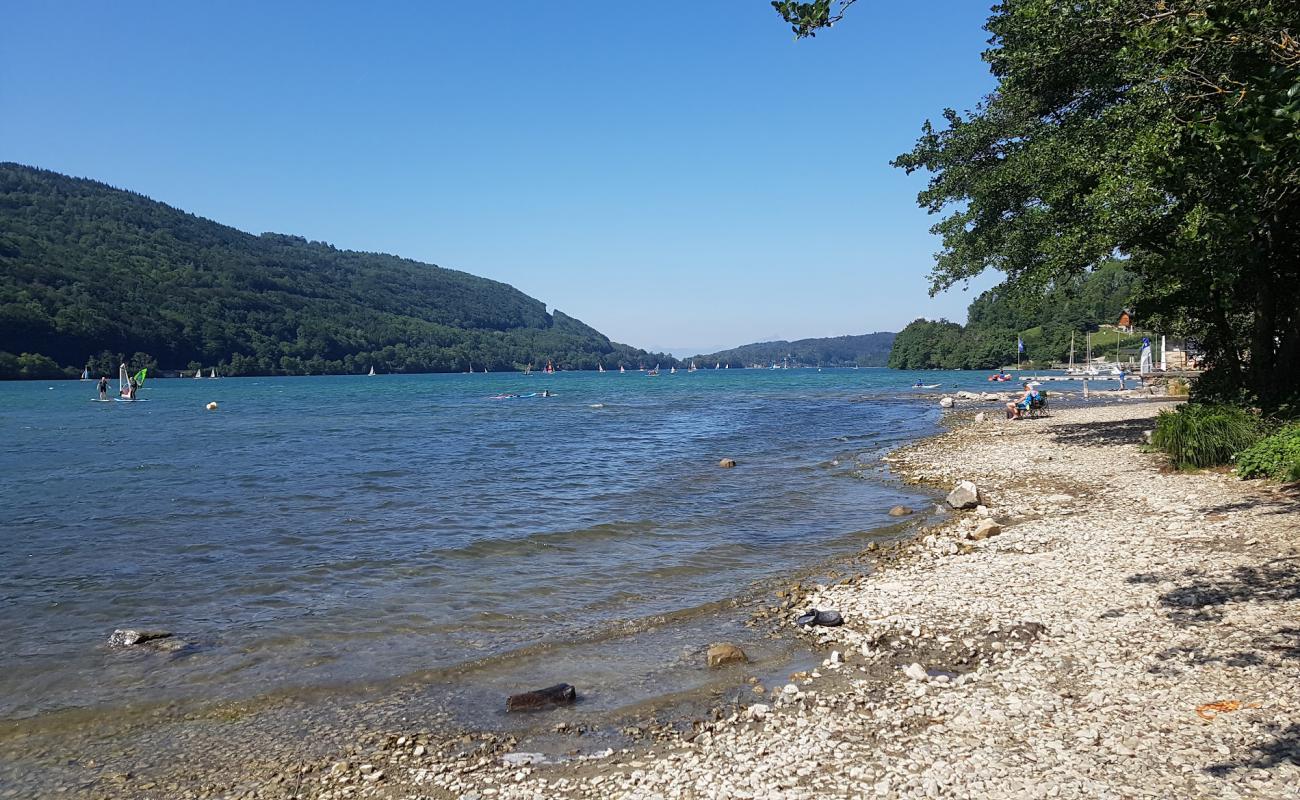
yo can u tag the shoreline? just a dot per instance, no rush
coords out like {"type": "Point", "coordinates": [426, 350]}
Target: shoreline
{"type": "Point", "coordinates": [1129, 633]}
{"type": "Point", "coordinates": [976, 616]}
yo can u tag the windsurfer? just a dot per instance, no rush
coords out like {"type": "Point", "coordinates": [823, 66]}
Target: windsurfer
{"type": "Point", "coordinates": [133, 387]}
{"type": "Point", "coordinates": [103, 387]}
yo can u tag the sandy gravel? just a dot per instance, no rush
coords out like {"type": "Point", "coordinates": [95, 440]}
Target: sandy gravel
{"type": "Point", "coordinates": [1075, 654]}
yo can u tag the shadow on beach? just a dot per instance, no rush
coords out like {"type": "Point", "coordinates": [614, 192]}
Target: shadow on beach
{"type": "Point", "coordinates": [1199, 602]}
{"type": "Point", "coordinates": [1102, 434]}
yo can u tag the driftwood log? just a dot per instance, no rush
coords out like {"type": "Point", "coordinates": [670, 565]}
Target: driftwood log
{"type": "Point", "coordinates": [561, 694]}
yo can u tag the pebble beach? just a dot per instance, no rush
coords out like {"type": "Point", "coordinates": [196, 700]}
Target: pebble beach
{"type": "Point", "coordinates": [1114, 630]}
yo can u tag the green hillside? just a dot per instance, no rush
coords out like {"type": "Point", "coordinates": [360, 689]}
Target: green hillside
{"type": "Point", "coordinates": [90, 274]}
{"type": "Point", "coordinates": [866, 350]}
{"type": "Point", "coordinates": [1043, 321]}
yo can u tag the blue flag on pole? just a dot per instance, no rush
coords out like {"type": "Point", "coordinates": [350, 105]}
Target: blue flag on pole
{"type": "Point", "coordinates": [1020, 345]}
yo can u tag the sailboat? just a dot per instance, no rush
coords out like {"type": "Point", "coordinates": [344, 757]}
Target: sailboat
{"type": "Point", "coordinates": [528, 369]}
{"type": "Point", "coordinates": [85, 374]}
{"type": "Point", "coordinates": [212, 373]}
{"type": "Point", "coordinates": [198, 373]}
{"type": "Point", "coordinates": [600, 368]}
{"type": "Point", "coordinates": [620, 369]}
{"type": "Point", "coordinates": [692, 367]}
{"type": "Point", "coordinates": [715, 366]}
{"type": "Point", "coordinates": [672, 370]}
{"type": "Point", "coordinates": [372, 372]}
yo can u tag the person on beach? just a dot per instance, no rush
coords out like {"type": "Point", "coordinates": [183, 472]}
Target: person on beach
{"type": "Point", "coordinates": [1018, 407]}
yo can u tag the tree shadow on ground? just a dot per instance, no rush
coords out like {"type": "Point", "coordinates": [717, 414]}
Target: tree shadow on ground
{"type": "Point", "coordinates": [1274, 581]}
{"type": "Point", "coordinates": [1282, 500]}
{"type": "Point", "coordinates": [1199, 602]}
{"type": "Point", "coordinates": [1283, 748]}
{"type": "Point", "coordinates": [1103, 434]}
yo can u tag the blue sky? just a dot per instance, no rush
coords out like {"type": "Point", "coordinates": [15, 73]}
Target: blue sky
{"type": "Point", "coordinates": [680, 176]}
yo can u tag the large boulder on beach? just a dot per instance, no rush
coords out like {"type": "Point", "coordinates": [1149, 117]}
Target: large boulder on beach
{"type": "Point", "coordinates": [945, 402]}
{"type": "Point", "coordinates": [985, 529]}
{"type": "Point", "coordinates": [722, 654]}
{"type": "Point", "coordinates": [561, 694]}
{"type": "Point", "coordinates": [965, 495]}
{"type": "Point", "coordinates": [901, 511]}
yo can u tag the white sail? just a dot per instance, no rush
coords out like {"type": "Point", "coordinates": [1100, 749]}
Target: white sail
{"type": "Point", "coordinates": [123, 381]}
{"type": "Point", "coordinates": [85, 374]}
{"type": "Point", "coordinates": [213, 373]}
{"type": "Point", "coordinates": [198, 373]}
{"type": "Point", "coordinates": [372, 370]}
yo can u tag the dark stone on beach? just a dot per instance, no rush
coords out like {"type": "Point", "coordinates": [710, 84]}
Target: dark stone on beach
{"type": "Point", "coordinates": [901, 511]}
{"type": "Point", "coordinates": [130, 637]}
{"type": "Point", "coordinates": [829, 619]}
{"type": "Point", "coordinates": [561, 694]}
{"type": "Point", "coordinates": [727, 463]}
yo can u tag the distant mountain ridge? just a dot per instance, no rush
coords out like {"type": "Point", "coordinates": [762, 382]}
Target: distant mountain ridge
{"type": "Point", "coordinates": [90, 274]}
{"type": "Point", "coordinates": [865, 350]}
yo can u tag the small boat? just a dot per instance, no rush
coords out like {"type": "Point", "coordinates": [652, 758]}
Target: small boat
{"type": "Point", "coordinates": [85, 374]}
{"type": "Point", "coordinates": [621, 370]}
{"type": "Point", "coordinates": [692, 368]}
{"type": "Point", "coordinates": [672, 370]}
{"type": "Point", "coordinates": [198, 373]}
{"type": "Point", "coordinates": [372, 372]}
{"type": "Point", "coordinates": [927, 385]}
{"type": "Point", "coordinates": [213, 373]}
{"type": "Point", "coordinates": [600, 368]}
{"type": "Point", "coordinates": [715, 366]}
{"type": "Point", "coordinates": [654, 373]}
{"type": "Point", "coordinates": [550, 368]}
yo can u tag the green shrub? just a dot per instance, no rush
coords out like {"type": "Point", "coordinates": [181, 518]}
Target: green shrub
{"type": "Point", "coordinates": [1276, 456]}
{"type": "Point", "coordinates": [1198, 435]}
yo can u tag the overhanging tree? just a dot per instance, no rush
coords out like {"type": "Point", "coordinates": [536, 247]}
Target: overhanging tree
{"type": "Point", "coordinates": [1167, 133]}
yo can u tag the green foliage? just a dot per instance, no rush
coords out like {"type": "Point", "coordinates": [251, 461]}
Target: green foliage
{"type": "Point", "coordinates": [806, 18]}
{"type": "Point", "coordinates": [867, 350]}
{"type": "Point", "coordinates": [1276, 456]}
{"type": "Point", "coordinates": [1166, 135]}
{"type": "Point", "coordinates": [1198, 435]}
{"type": "Point", "coordinates": [1165, 132]}
{"type": "Point", "coordinates": [1045, 322]}
{"type": "Point", "coordinates": [86, 268]}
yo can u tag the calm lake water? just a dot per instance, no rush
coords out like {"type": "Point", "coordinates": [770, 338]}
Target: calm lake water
{"type": "Point", "coordinates": [315, 531]}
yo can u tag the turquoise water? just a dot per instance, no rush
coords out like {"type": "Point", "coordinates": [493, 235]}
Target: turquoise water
{"type": "Point", "coordinates": [321, 530]}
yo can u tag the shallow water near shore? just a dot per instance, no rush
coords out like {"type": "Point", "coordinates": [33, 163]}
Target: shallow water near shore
{"type": "Point", "coordinates": [346, 531]}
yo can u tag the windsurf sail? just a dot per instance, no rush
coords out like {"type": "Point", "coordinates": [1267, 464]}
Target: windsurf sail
{"type": "Point", "coordinates": [123, 381]}
{"type": "Point", "coordinates": [141, 375]}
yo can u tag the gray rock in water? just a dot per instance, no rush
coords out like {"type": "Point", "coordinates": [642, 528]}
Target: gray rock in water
{"type": "Point", "coordinates": [901, 511]}
{"type": "Point", "coordinates": [727, 463]}
{"type": "Point", "coordinates": [965, 495]}
{"type": "Point", "coordinates": [557, 695]}
{"type": "Point", "coordinates": [130, 637]}
{"type": "Point", "coordinates": [945, 402]}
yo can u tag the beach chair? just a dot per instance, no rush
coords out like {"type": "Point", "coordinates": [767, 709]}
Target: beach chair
{"type": "Point", "coordinates": [1037, 406]}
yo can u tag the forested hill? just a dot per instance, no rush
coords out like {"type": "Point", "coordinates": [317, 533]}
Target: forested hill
{"type": "Point", "coordinates": [90, 274]}
{"type": "Point", "coordinates": [997, 317]}
{"type": "Point", "coordinates": [867, 350]}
